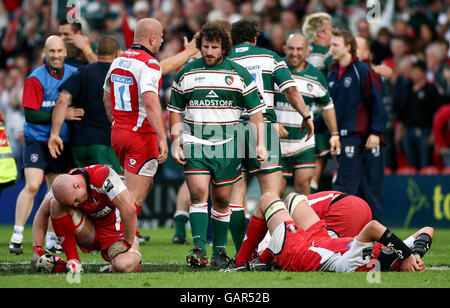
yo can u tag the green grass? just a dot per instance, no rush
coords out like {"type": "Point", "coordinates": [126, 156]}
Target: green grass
{"type": "Point", "coordinates": [164, 267]}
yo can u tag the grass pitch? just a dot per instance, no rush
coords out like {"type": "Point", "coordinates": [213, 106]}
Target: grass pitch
{"type": "Point", "coordinates": [164, 267]}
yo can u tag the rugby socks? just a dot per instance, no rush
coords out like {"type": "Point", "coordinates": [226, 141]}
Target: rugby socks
{"type": "Point", "coordinates": [237, 224]}
{"type": "Point", "coordinates": [198, 215]}
{"type": "Point", "coordinates": [180, 219]}
{"type": "Point", "coordinates": [220, 223]}
{"type": "Point", "coordinates": [422, 244]}
{"type": "Point", "coordinates": [17, 236]}
{"type": "Point", "coordinates": [50, 240]}
{"type": "Point", "coordinates": [314, 187]}
{"type": "Point", "coordinates": [391, 241]}
{"type": "Point", "coordinates": [256, 231]}
{"type": "Point", "coordinates": [65, 230]}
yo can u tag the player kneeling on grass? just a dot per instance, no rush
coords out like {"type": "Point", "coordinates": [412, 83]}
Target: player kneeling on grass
{"type": "Point", "coordinates": [90, 207]}
{"type": "Point", "coordinates": [300, 242]}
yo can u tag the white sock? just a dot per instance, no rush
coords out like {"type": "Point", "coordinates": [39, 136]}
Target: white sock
{"type": "Point", "coordinates": [17, 236]}
{"type": "Point", "coordinates": [50, 239]}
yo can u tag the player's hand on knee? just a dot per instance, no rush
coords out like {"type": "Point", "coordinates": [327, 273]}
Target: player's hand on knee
{"type": "Point", "coordinates": [118, 248]}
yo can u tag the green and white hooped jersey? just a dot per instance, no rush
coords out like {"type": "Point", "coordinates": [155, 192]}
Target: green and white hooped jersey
{"type": "Point", "coordinates": [269, 71]}
{"type": "Point", "coordinates": [212, 99]}
{"type": "Point", "coordinates": [313, 87]}
{"type": "Point", "coordinates": [320, 57]}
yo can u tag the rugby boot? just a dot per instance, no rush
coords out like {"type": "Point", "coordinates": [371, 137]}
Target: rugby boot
{"type": "Point", "coordinates": [197, 257]}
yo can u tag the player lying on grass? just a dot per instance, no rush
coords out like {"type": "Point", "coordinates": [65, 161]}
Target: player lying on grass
{"type": "Point", "coordinates": [345, 215]}
{"type": "Point", "coordinates": [300, 241]}
{"type": "Point", "coordinates": [90, 207]}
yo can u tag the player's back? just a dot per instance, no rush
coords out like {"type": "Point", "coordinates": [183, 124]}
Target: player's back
{"type": "Point", "coordinates": [320, 202]}
{"type": "Point", "coordinates": [267, 69]}
{"type": "Point", "coordinates": [135, 72]}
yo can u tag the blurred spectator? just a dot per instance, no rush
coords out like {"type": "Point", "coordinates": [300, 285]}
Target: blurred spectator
{"type": "Point", "coordinates": [277, 37]}
{"type": "Point", "coordinates": [441, 132]}
{"type": "Point", "coordinates": [289, 21]}
{"type": "Point", "coordinates": [225, 9]}
{"type": "Point", "coordinates": [435, 58]}
{"type": "Point", "coordinates": [11, 108]}
{"type": "Point", "coordinates": [416, 118]}
{"type": "Point", "coordinates": [380, 46]}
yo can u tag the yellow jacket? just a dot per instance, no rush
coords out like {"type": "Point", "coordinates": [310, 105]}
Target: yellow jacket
{"type": "Point", "coordinates": [8, 169]}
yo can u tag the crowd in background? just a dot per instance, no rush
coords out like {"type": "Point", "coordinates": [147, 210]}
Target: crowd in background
{"type": "Point", "coordinates": [402, 33]}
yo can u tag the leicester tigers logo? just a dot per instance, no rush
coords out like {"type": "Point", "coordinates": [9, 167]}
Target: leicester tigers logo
{"type": "Point", "coordinates": [229, 80]}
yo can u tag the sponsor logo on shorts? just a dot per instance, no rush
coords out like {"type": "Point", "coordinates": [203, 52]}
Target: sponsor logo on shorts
{"type": "Point", "coordinates": [132, 163]}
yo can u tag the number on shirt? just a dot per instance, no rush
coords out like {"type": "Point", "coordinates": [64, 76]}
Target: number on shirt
{"type": "Point", "coordinates": [122, 92]}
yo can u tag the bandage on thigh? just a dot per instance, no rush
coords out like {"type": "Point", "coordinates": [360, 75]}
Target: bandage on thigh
{"type": "Point", "coordinates": [295, 200]}
{"type": "Point", "coordinates": [273, 208]}
{"type": "Point", "coordinates": [84, 237]}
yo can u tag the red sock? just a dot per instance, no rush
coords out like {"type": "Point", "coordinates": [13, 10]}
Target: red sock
{"type": "Point", "coordinates": [266, 256]}
{"type": "Point", "coordinates": [256, 231]}
{"type": "Point", "coordinates": [138, 209]}
{"type": "Point", "coordinates": [65, 231]}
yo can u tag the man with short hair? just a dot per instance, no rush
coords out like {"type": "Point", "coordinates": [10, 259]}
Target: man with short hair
{"type": "Point", "coordinates": [90, 207]}
{"type": "Point", "coordinates": [269, 72]}
{"type": "Point", "coordinates": [40, 94]}
{"type": "Point", "coordinates": [297, 153]}
{"type": "Point", "coordinates": [80, 50]}
{"type": "Point", "coordinates": [357, 92]}
{"type": "Point", "coordinates": [131, 98]}
{"type": "Point", "coordinates": [212, 93]}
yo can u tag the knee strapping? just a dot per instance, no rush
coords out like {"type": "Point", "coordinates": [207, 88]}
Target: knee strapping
{"type": "Point", "coordinates": [295, 200]}
{"type": "Point", "coordinates": [273, 208]}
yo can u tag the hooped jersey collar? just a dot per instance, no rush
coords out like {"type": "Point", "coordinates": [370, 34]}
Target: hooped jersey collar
{"type": "Point", "coordinates": [141, 47]}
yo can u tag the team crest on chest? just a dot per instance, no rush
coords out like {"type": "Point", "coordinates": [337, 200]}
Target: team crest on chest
{"type": "Point", "coordinates": [229, 80]}
{"type": "Point", "coordinates": [310, 87]}
{"type": "Point", "coordinates": [347, 82]}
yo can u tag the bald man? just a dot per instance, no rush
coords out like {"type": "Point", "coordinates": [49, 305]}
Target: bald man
{"type": "Point", "coordinates": [298, 153]}
{"type": "Point", "coordinates": [40, 94]}
{"type": "Point", "coordinates": [131, 98]}
{"type": "Point", "coordinates": [90, 207]}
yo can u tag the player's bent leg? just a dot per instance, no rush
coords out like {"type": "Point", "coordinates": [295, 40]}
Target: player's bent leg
{"type": "Point", "coordinates": [139, 186]}
{"type": "Point", "coordinates": [302, 180]}
{"type": "Point", "coordinates": [303, 215]}
{"type": "Point", "coordinates": [85, 234]}
{"type": "Point", "coordinates": [270, 182]}
{"type": "Point", "coordinates": [128, 261]}
{"type": "Point", "coordinates": [273, 209]}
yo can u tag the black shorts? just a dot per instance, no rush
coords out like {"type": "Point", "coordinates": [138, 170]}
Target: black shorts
{"type": "Point", "coordinates": [37, 155]}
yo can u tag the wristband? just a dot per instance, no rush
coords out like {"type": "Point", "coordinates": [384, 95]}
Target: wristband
{"type": "Point", "coordinates": [335, 134]}
{"type": "Point", "coordinates": [307, 118]}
